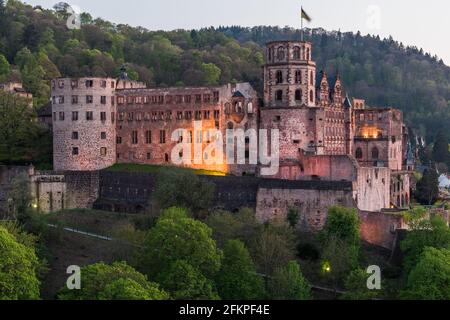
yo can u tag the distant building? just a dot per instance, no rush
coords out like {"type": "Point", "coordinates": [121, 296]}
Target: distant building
{"type": "Point", "coordinates": [17, 88]}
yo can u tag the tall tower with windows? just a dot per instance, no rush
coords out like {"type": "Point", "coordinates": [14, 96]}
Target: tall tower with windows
{"type": "Point", "coordinates": [290, 101]}
{"type": "Point", "coordinates": [289, 74]}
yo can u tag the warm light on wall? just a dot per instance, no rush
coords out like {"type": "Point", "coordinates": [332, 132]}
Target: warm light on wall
{"type": "Point", "coordinates": [370, 132]}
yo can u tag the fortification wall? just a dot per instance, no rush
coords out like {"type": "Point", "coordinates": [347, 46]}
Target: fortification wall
{"type": "Point", "coordinates": [373, 189]}
{"type": "Point", "coordinates": [379, 228]}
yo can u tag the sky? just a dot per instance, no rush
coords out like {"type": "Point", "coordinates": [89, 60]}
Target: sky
{"type": "Point", "coordinates": [424, 24]}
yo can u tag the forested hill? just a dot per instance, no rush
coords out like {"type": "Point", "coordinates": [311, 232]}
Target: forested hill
{"type": "Point", "coordinates": [36, 45]}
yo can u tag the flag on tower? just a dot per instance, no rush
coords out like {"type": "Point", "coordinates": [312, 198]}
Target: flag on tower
{"type": "Point", "coordinates": [306, 16]}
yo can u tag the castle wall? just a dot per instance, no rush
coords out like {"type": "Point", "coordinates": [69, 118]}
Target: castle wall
{"type": "Point", "coordinates": [311, 199]}
{"type": "Point", "coordinates": [373, 188]}
{"type": "Point", "coordinates": [379, 228]}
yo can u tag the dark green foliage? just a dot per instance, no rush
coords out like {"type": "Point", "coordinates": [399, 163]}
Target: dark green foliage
{"type": "Point", "coordinates": [427, 191]}
{"type": "Point", "coordinates": [178, 237]}
{"type": "Point", "coordinates": [118, 281]}
{"type": "Point", "coordinates": [440, 148]}
{"type": "Point", "coordinates": [184, 282]}
{"type": "Point", "coordinates": [342, 223]}
{"type": "Point", "coordinates": [22, 139]}
{"type": "Point", "coordinates": [292, 217]}
{"type": "Point", "coordinates": [183, 189]}
{"type": "Point", "coordinates": [237, 278]}
{"type": "Point", "coordinates": [430, 278]}
{"type": "Point", "coordinates": [288, 283]}
{"type": "Point", "coordinates": [356, 286]}
{"type": "Point", "coordinates": [424, 233]}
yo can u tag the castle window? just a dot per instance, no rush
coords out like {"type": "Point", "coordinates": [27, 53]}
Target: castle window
{"type": "Point", "coordinates": [280, 53]}
{"type": "Point", "coordinates": [216, 114]}
{"type": "Point", "coordinates": [188, 115]}
{"type": "Point", "coordinates": [134, 137]}
{"type": "Point", "coordinates": [298, 76]}
{"type": "Point", "coordinates": [89, 99]}
{"type": "Point", "coordinates": [75, 135]}
{"type": "Point", "coordinates": [103, 135]}
{"type": "Point", "coordinates": [216, 96]}
{"type": "Point", "coordinates": [61, 84]}
{"type": "Point", "coordinates": [278, 118]}
{"type": "Point", "coordinates": [74, 99]}
{"type": "Point", "coordinates": [103, 116]}
{"type": "Point", "coordinates": [279, 95]}
{"type": "Point", "coordinates": [180, 115]}
{"type": "Point", "coordinates": [103, 83]}
{"type": "Point", "coordinates": [361, 117]}
{"type": "Point", "coordinates": [120, 100]}
{"type": "Point", "coordinates": [198, 115]}
{"type": "Point", "coordinates": [74, 84]}
{"type": "Point", "coordinates": [179, 99]}
{"type": "Point", "coordinates": [198, 98]}
{"type": "Point", "coordinates": [61, 99]}
{"type": "Point", "coordinates": [168, 99]}
{"type": "Point", "coordinates": [187, 99]}
{"type": "Point", "coordinates": [279, 77]}
{"type": "Point", "coordinates": [61, 116]}
{"type": "Point", "coordinates": [206, 114]}
{"type": "Point", "coordinates": [113, 117]}
{"type": "Point", "coordinates": [296, 54]}
{"type": "Point", "coordinates": [166, 157]}
{"type": "Point", "coordinates": [148, 137]}
{"type": "Point", "coordinates": [89, 115]}
{"type": "Point", "coordinates": [207, 98]}
{"type": "Point", "coordinates": [308, 54]}
{"type": "Point", "coordinates": [375, 153]}
{"type": "Point", "coordinates": [113, 84]}
{"type": "Point", "coordinates": [311, 96]}
{"type": "Point", "coordinates": [370, 116]}
{"type": "Point", "coordinates": [138, 100]}
{"type": "Point", "coordinates": [89, 83]}
{"type": "Point", "coordinates": [359, 153]}
{"type": "Point", "coordinates": [298, 95]}
{"type": "Point", "coordinates": [75, 151]}
{"type": "Point", "coordinates": [119, 140]}
{"type": "Point", "coordinates": [162, 137]}
{"type": "Point", "coordinates": [311, 80]}
{"type": "Point", "coordinates": [103, 152]}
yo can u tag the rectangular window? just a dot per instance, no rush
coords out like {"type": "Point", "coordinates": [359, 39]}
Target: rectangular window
{"type": "Point", "coordinates": [162, 136]}
{"type": "Point", "coordinates": [103, 152]}
{"type": "Point", "coordinates": [74, 115]}
{"type": "Point", "coordinates": [61, 116]}
{"type": "Point", "coordinates": [120, 100]}
{"type": "Point", "coordinates": [75, 135]}
{"type": "Point", "coordinates": [207, 98]}
{"type": "Point", "coordinates": [188, 115]}
{"type": "Point", "coordinates": [89, 83]}
{"type": "Point", "coordinates": [61, 99]}
{"type": "Point", "coordinates": [61, 84]}
{"type": "Point", "coordinates": [206, 115]}
{"type": "Point", "coordinates": [119, 140]}
{"type": "Point", "coordinates": [74, 84]}
{"type": "Point", "coordinates": [138, 100]}
{"type": "Point", "coordinates": [103, 116]}
{"type": "Point", "coordinates": [149, 156]}
{"type": "Point", "coordinates": [198, 115]}
{"type": "Point", "coordinates": [180, 115]}
{"type": "Point", "coordinates": [74, 99]}
{"type": "Point", "coordinates": [179, 99]}
{"type": "Point", "coordinates": [89, 99]}
{"type": "Point", "coordinates": [75, 151]}
{"type": "Point", "coordinates": [113, 117]}
{"type": "Point", "coordinates": [198, 98]}
{"type": "Point", "coordinates": [54, 116]}
{"type": "Point", "coordinates": [113, 84]}
{"type": "Point", "coordinates": [134, 137]}
{"type": "Point", "coordinates": [103, 99]}
{"type": "Point", "coordinates": [187, 99]}
{"type": "Point", "coordinates": [148, 137]}
{"type": "Point", "coordinates": [216, 96]}
{"type": "Point", "coordinates": [89, 115]}
{"type": "Point", "coordinates": [216, 114]}
{"type": "Point", "coordinates": [103, 83]}
{"type": "Point", "coordinates": [103, 135]}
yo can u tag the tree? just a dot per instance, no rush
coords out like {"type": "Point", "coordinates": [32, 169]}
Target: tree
{"type": "Point", "coordinates": [18, 269]}
{"type": "Point", "coordinates": [211, 74]}
{"type": "Point", "coordinates": [424, 233]}
{"type": "Point", "coordinates": [288, 283]}
{"type": "Point", "coordinates": [237, 278]}
{"type": "Point", "coordinates": [356, 286]}
{"type": "Point", "coordinates": [430, 278]}
{"type": "Point", "coordinates": [427, 191]}
{"type": "Point", "coordinates": [5, 68]}
{"type": "Point", "coordinates": [440, 148]}
{"type": "Point", "coordinates": [178, 237]}
{"type": "Point", "coordinates": [184, 282]}
{"type": "Point", "coordinates": [184, 189]}
{"type": "Point", "coordinates": [118, 281]}
{"type": "Point", "coordinates": [344, 224]}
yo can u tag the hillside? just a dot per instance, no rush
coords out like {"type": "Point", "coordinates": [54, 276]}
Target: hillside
{"type": "Point", "coordinates": [37, 46]}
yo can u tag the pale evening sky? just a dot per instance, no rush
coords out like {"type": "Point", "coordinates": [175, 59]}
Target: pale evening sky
{"type": "Point", "coordinates": [424, 24]}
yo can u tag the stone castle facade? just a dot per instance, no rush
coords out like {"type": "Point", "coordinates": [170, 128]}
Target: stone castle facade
{"type": "Point", "coordinates": [323, 134]}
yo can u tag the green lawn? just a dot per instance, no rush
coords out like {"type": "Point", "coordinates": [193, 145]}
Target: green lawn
{"type": "Point", "coordinates": [146, 168]}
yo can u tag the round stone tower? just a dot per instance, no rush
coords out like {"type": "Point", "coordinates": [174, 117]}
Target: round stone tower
{"type": "Point", "coordinates": [289, 74]}
{"type": "Point", "coordinates": [84, 132]}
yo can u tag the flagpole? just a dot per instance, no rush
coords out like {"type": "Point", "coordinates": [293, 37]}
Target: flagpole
{"type": "Point", "coordinates": [301, 26]}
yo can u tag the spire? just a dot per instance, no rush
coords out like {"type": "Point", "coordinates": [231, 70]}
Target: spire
{"type": "Point", "coordinates": [337, 90]}
{"type": "Point", "coordinates": [324, 90]}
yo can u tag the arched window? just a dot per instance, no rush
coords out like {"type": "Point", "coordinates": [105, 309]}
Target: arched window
{"type": "Point", "coordinates": [279, 76]}
{"type": "Point", "coordinates": [296, 54]}
{"type": "Point", "coordinates": [279, 95]}
{"type": "Point", "coordinates": [280, 53]}
{"type": "Point", "coordinates": [311, 80]}
{"type": "Point", "coordinates": [298, 95]}
{"type": "Point", "coordinates": [375, 153]}
{"type": "Point", "coordinates": [298, 76]}
{"type": "Point", "coordinates": [311, 96]}
{"type": "Point", "coordinates": [359, 153]}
